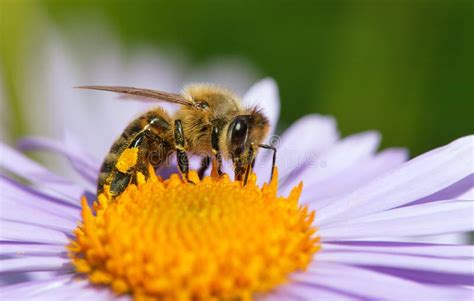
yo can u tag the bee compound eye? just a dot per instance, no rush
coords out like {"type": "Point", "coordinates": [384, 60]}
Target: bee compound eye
{"type": "Point", "coordinates": [239, 131]}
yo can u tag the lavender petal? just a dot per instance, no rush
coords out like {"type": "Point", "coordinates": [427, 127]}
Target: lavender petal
{"type": "Point", "coordinates": [18, 212]}
{"type": "Point", "coordinates": [321, 194]}
{"type": "Point", "coordinates": [426, 219]}
{"type": "Point", "coordinates": [401, 248]}
{"type": "Point", "coordinates": [307, 292]}
{"type": "Point", "coordinates": [294, 152]}
{"type": "Point", "coordinates": [32, 264]}
{"type": "Point", "coordinates": [84, 165]}
{"type": "Point", "coordinates": [30, 288]}
{"type": "Point", "coordinates": [427, 277]}
{"type": "Point", "coordinates": [18, 164]}
{"type": "Point", "coordinates": [342, 155]}
{"type": "Point", "coordinates": [370, 285]}
{"type": "Point", "coordinates": [463, 190]}
{"type": "Point", "coordinates": [422, 176]}
{"type": "Point", "coordinates": [448, 266]}
{"type": "Point", "coordinates": [14, 231]}
{"type": "Point", "coordinates": [264, 95]}
{"type": "Point", "coordinates": [29, 196]}
{"type": "Point", "coordinates": [65, 287]}
{"type": "Point", "coordinates": [81, 290]}
{"type": "Point", "coordinates": [27, 249]}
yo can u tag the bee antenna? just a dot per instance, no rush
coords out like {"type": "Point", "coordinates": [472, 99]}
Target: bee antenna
{"type": "Point", "coordinates": [270, 147]}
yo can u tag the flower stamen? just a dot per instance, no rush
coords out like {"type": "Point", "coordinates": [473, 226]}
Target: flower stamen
{"type": "Point", "coordinates": [215, 239]}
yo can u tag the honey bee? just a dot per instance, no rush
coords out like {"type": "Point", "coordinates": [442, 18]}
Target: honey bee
{"type": "Point", "coordinates": [211, 122]}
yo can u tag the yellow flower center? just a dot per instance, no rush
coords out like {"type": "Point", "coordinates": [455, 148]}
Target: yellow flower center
{"type": "Point", "coordinates": [217, 239]}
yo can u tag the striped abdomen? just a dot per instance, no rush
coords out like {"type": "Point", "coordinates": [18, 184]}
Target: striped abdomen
{"type": "Point", "coordinates": [152, 134]}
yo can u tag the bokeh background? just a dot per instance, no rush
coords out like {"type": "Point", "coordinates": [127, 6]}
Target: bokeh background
{"type": "Point", "coordinates": [405, 68]}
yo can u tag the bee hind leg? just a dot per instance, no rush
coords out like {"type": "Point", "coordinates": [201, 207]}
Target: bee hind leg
{"type": "Point", "coordinates": [120, 180]}
{"type": "Point", "coordinates": [181, 156]}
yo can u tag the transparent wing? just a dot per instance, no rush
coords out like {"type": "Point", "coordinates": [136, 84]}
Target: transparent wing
{"type": "Point", "coordinates": [144, 94]}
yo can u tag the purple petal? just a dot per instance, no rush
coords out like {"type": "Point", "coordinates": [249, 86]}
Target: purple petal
{"type": "Point", "coordinates": [352, 178]}
{"type": "Point", "coordinates": [308, 291]}
{"type": "Point", "coordinates": [347, 152]}
{"type": "Point", "coordinates": [17, 212]}
{"type": "Point", "coordinates": [32, 264]}
{"type": "Point", "coordinates": [324, 127]}
{"type": "Point", "coordinates": [293, 152]}
{"type": "Point", "coordinates": [422, 176]}
{"type": "Point", "coordinates": [84, 165]}
{"type": "Point", "coordinates": [443, 239]}
{"type": "Point", "coordinates": [427, 277]}
{"type": "Point", "coordinates": [450, 238]}
{"type": "Point", "coordinates": [264, 94]}
{"type": "Point", "coordinates": [14, 231]}
{"type": "Point", "coordinates": [342, 155]}
{"type": "Point", "coordinates": [426, 219]}
{"type": "Point", "coordinates": [80, 290]}
{"type": "Point", "coordinates": [402, 248]}
{"type": "Point", "coordinates": [26, 249]}
{"type": "Point", "coordinates": [369, 285]}
{"type": "Point", "coordinates": [447, 266]}
{"type": "Point", "coordinates": [461, 190]}
{"type": "Point", "coordinates": [468, 194]}
{"type": "Point", "coordinates": [59, 288]}
{"type": "Point", "coordinates": [22, 166]}
{"type": "Point", "coordinates": [31, 288]}
{"type": "Point", "coordinates": [27, 195]}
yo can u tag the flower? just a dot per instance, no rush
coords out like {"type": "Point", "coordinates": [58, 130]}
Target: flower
{"type": "Point", "coordinates": [213, 238]}
{"type": "Point", "coordinates": [354, 205]}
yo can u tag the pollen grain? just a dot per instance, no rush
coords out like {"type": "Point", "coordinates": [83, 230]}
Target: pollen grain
{"type": "Point", "coordinates": [127, 159]}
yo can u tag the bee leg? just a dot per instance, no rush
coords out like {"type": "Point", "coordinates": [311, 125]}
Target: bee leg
{"type": "Point", "coordinates": [266, 146]}
{"type": "Point", "coordinates": [249, 165]}
{"type": "Point", "coordinates": [120, 180]}
{"type": "Point", "coordinates": [215, 149]}
{"type": "Point", "coordinates": [119, 183]}
{"type": "Point", "coordinates": [181, 156]}
{"type": "Point", "coordinates": [205, 162]}
{"type": "Point", "coordinates": [217, 165]}
{"type": "Point", "coordinates": [142, 141]}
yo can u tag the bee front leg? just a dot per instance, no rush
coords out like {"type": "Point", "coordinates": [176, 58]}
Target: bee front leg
{"type": "Point", "coordinates": [249, 164]}
{"type": "Point", "coordinates": [181, 156]}
{"type": "Point", "coordinates": [216, 151]}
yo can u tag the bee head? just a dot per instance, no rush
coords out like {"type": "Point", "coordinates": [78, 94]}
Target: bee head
{"type": "Point", "coordinates": [244, 134]}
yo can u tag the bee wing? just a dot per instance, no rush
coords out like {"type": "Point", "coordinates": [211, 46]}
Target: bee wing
{"type": "Point", "coordinates": [144, 94]}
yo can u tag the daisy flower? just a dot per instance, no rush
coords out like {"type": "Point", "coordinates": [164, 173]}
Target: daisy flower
{"type": "Point", "coordinates": [324, 228]}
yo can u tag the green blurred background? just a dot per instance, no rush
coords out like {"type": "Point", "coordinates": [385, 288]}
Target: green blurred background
{"type": "Point", "coordinates": [405, 68]}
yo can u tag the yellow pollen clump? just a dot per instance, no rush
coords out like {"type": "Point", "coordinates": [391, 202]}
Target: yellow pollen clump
{"type": "Point", "coordinates": [128, 159]}
{"type": "Point", "coordinates": [214, 240]}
